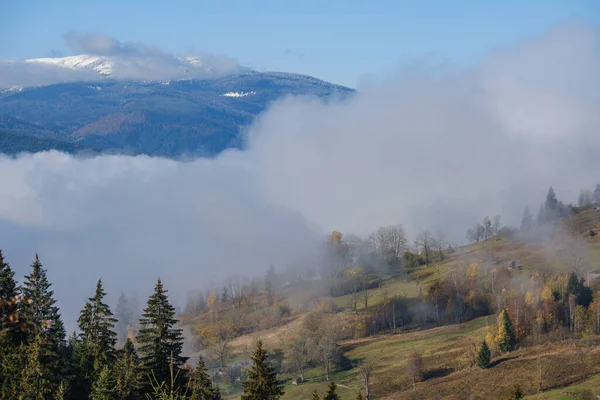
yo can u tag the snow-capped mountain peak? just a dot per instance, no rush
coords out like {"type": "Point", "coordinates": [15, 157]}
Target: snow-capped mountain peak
{"type": "Point", "coordinates": [151, 68]}
{"type": "Point", "coordinates": [101, 64]}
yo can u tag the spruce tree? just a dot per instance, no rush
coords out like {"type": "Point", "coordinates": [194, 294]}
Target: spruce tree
{"type": "Point", "coordinates": [484, 356]}
{"type": "Point", "coordinates": [551, 206]}
{"type": "Point", "coordinates": [44, 329]}
{"type": "Point", "coordinates": [127, 372]}
{"type": "Point", "coordinates": [61, 393]}
{"type": "Point", "coordinates": [98, 337]}
{"type": "Point", "coordinates": [104, 387]}
{"type": "Point", "coordinates": [160, 342]}
{"type": "Point", "coordinates": [124, 317]}
{"type": "Point", "coordinates": [200, 383]}
{"type": "Point", "coordinates": [11, 335]}
{"type": "Point", "coordinates": [9, 295]}
{"type": "Point", "coordinates": [527, 220]}
{"type": "Point", "coordinates": [331, 394]}
{"type": "Point", "coordinates": [262, 381]}
{"type": "Point", "coordinates": [315, 395]}
{"type": "Point", "coordinates": [217, 393]}
{"type": "Point", "coordinates": [34, 385]}
{"type": "Point", "coordinates": [78, 369]}
{"type": "Point", "coordinates": [507, 339]}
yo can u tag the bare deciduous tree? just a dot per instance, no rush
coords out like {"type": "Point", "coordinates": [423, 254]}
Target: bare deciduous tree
{"type": "Point", "coordinates": [424, 243]}
{"type": "Point", "coordinates": [217, 339]}
{"type": "Point", "coordinates": [390, 242]}
{"type": "Point", "coordinates": [366, 369]}
{"type": "Point", "coordinates": [365, 296]}
{"type": "Point", "coordinates": [415, 369]}
{"type": "Point", "coordinates": [326, 345]}
{"type": "Point", "coordinates": [299, 354]}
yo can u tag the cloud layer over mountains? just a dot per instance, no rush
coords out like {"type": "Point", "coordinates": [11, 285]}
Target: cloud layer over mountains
{"type": "Point", "coordinates": [102, 55]}
{"type": "Point", "coordinates": [430, 150]}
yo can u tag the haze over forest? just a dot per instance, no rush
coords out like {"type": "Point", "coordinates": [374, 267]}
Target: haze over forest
{"type": "Point", "coordinates": [431, 146]}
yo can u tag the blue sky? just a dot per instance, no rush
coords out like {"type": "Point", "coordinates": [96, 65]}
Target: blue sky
{"type": "Point", "coordinates": [336, 40]}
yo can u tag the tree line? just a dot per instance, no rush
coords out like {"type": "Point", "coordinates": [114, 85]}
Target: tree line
{"type": "Point", "coordinates": [39, 361]}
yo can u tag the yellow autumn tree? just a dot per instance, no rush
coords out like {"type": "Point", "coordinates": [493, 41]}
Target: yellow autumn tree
{"type": "Point", "coordinates": [473, 271]}
{"type": "Point", "coordinates": [547, 295]}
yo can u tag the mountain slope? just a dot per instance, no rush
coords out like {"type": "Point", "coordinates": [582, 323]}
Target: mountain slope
{"type": "Point", "coordinates": [168, 118]}
{"type": "Point", "coordinates": [13, 143]}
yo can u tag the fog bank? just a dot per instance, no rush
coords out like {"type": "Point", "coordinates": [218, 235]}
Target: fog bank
{"type": "Point", "coordinates": [431, 149]}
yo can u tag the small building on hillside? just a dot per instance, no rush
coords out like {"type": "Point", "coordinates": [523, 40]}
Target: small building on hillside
{"type": "Point", "coordinates": [297, 380]}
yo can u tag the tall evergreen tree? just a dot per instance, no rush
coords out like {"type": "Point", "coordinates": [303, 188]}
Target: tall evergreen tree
{"type": "Point", "coordinates": [551, 206]}
{"type": "Point", "coordinates": [527, 220]}
{"type": "Point", "coordinates": [484, 356]}
{"type": "Point", "coordinates": [104, 387]}
{"type": "Point", "coordinates": [11, 334]}
{"type": "Point", "coordinates": [78, 369]}
{"type": "Point", "coordinates": [262, 381]}
{"type": "Point", "coordinates": [331, 394]}
{"type": "Point", "coordinates": [9, 295]}
{"type": "Point", "coordinates": [124, 317]}
{"type": "Point", "coordinates": [127, 373]}
{"type": "Point", "coordinates": [97, 324]}
{"type": "Point", "coordinates": [34, 383]}
{"type": "Point", "coordinates": [44, 329]}
{"type": "Point", "coordinates": [507, 339]}
{"type": "Point", "coordinates": [200, 384]}
{"type": "Point", "coordinates": [160, 342]}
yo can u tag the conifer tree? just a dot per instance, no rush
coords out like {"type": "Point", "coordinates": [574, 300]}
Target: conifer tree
{"type": "Point", "coordinates": [315, 395]}
{"type": "Point", "coordinates": [104, 387]}
{"type": "Point", "coordinates": [78, 369]}
{"type": "Point", "coordinates": [124, 317]}
{"type": "Point", "coordinates": [11, 335]}
{"type": "Point", "coordinates": [160, 342]}
{"type": "Point", "coordinates": [262, 381]}
{"type": "Point", "coordinates": [127, 373]}
{"type": "Point", "coordinates": [200, 384]}
{"type": "Point", "coordinates": [507, 339]}
{"type": "Point", "coordinates": [331, 394]}
{"type": "Point", "coordinates": [61, 392]}
{"type": "Point", "coordinates": [527, 220]}
{"type": "Point", "coordinates": [98, 337]}
{"type": "Point", "coordinates": [45, 332]}
{"type": "Point", "coordinates": [484, 357]}
{"type": "Point", "coordinates": [217, 393]}
{"type": "Point", "coordinates": [9, 295]}
{"type": "Point", "coordinates": [33, 383]}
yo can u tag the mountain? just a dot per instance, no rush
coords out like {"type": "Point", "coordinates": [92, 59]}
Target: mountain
{"type": "Point", "coordinates": [105, 66]}
{"type": "Point", "coordinates": [13, 143]}
{"type": "Point", "coordinates": [167, 118]}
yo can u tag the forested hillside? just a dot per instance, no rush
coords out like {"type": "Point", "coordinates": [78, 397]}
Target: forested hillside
{"type": "Point", "coordinates": [169, 118]}
{"type": "Point", "coordinates": [515, 313]}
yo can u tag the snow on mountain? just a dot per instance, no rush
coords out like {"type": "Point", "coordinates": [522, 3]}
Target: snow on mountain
{"type": "Point", "coordinates": [238, 94]}
{"type": "Point", "coordinates": [103, 65]}
{"type": "Point", "coordinates": [113, 66]}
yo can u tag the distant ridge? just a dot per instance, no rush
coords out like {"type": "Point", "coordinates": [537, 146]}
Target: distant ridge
{"type": "Point", "coordinates": [166, 118]}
